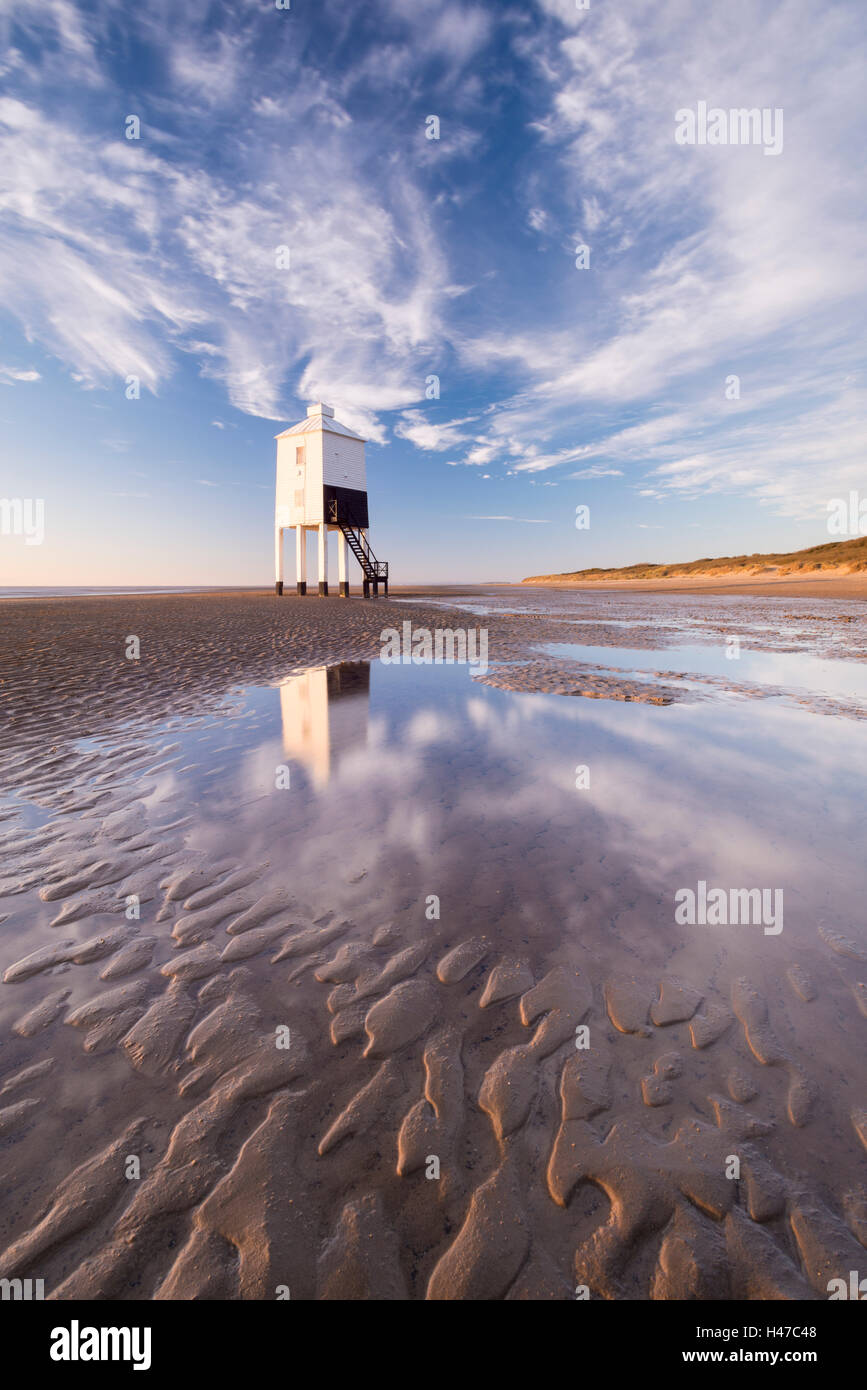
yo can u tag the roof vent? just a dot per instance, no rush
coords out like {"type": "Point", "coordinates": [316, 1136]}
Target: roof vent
{"type": "Point", "coordinates": [320, 409]}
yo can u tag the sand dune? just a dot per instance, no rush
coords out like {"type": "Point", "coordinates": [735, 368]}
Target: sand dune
{"type": "Point", "coordinates": [837, 569]}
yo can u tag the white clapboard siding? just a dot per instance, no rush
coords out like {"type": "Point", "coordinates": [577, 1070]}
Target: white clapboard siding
{"type": "Point", "coordinates": [343, 461]}
{"type": "Point", "coordinates": [333, 456]}
{"type": "Point", "coordinates": [289, 484]}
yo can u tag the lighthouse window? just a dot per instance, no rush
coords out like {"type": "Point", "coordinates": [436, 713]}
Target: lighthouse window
{"type": "Point", "coordinates": [300, 459]}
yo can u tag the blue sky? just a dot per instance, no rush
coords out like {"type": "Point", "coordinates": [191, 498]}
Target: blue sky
{"type": "Point", "coordinates": [412, 257]}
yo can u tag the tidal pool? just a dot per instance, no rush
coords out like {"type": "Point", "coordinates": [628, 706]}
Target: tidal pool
{"type": "Point", "coordinates": [785, 670]}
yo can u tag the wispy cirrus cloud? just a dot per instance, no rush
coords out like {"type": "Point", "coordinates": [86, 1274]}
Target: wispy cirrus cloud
{"type": "Point", "coordinates": [284, 226]}
{"type": "Point", "coordinates": [10, 375]}
{"type": "Point", "coordinates": [430, 435]}
{"type": "Point", "coordinates": [700, 266]}
{"type": "Point", "coordinates": [118, 254]}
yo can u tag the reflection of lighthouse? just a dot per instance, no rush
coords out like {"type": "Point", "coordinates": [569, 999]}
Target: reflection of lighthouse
{"type": "Point", "coordinates": [324, 714]}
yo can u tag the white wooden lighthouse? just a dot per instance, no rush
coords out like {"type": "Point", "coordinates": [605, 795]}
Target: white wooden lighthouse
{"type": "Point", "coordinates": [322, 487]}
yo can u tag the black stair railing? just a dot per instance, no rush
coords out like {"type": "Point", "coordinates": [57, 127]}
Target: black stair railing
{"type": "Point", "coordinates": [358, 543]}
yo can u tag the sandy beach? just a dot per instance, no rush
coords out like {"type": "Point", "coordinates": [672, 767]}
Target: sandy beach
{"type": "Point", "coordinates": [297, 948]}
{"type": "Point", "coordinates": [816, 585]}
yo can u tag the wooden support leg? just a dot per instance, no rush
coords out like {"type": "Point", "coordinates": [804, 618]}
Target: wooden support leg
{"type": "Point", "coordinates": [278, 560]}
{"type": "Point", "coordinates": [323, 560]}
{"type": "Point", "coordinates": [300, 560]}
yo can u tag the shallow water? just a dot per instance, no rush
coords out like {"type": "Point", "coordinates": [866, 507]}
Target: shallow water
{"type": "Point", "coordinates": [558, 830]}
{"type": "Point", "coordinates": [784, 670]}
{"type": "Point", "coordinates": [412, 757]}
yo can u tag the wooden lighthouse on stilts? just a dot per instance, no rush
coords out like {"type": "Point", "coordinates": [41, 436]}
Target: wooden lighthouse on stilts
{"type": "Point", "coordinates": [322, 487]}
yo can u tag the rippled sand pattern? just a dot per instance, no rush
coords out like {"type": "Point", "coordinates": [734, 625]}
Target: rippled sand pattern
{"type": "Point", "coordinates": [327, 1090]}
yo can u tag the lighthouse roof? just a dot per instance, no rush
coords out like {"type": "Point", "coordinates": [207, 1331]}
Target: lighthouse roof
{"type": "Point", "coordinates": [320, 417]}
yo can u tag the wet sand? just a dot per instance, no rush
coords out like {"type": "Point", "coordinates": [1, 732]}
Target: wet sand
{"type": "Point", "coordinates": [237, 1059]}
